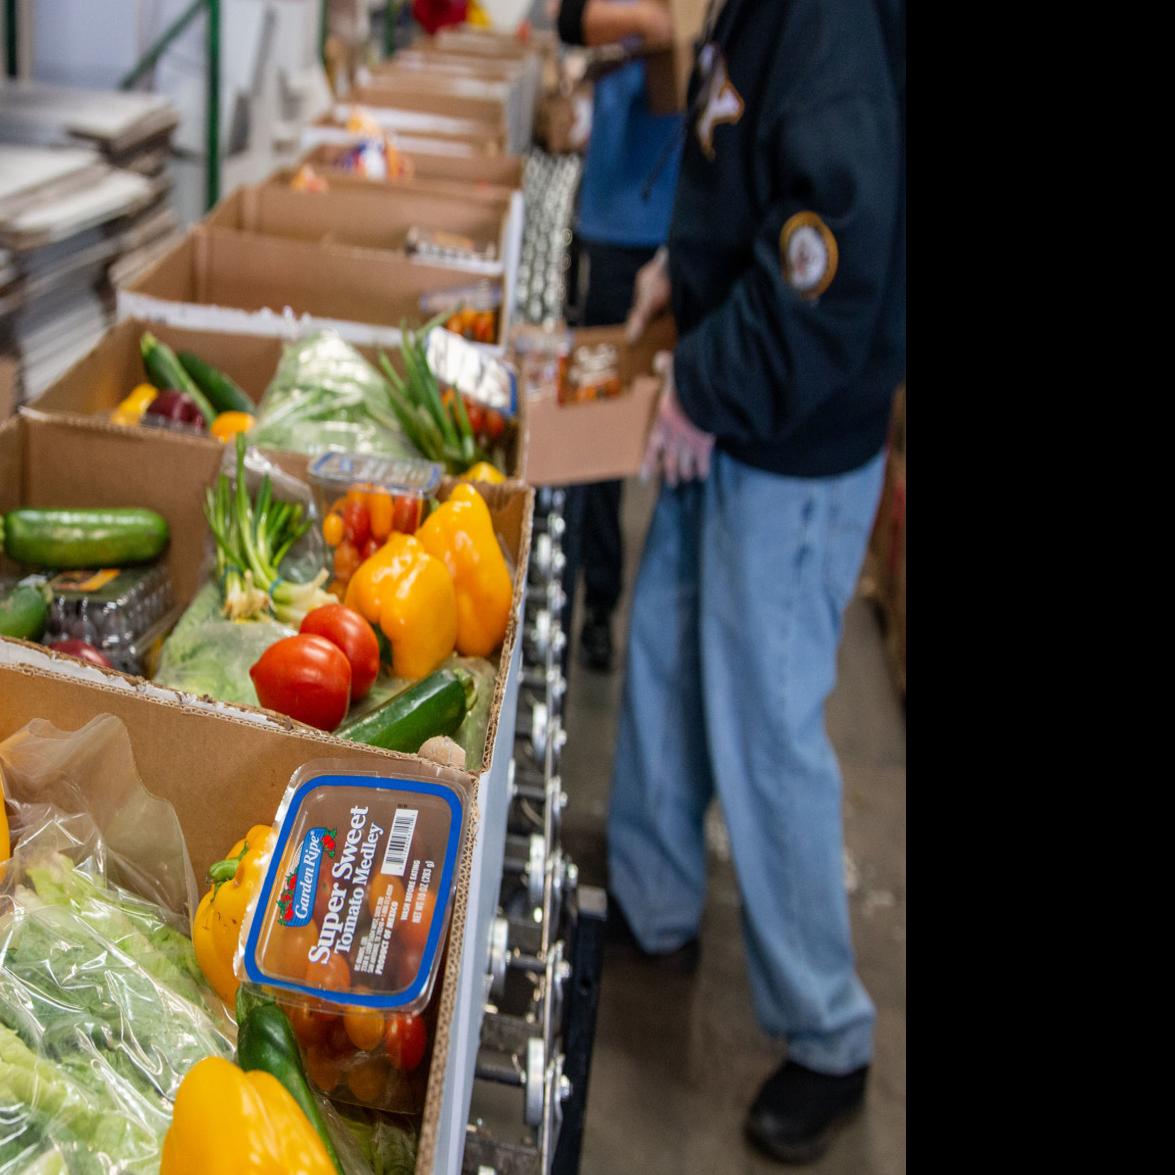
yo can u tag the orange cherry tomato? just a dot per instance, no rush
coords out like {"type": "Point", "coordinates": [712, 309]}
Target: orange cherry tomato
{"type": "Point", "coordinates": [368, 1080]}
{"type": "Point", "coordinates": [290, 947]}
{"type": "Point", "coordinates": [347, 560]}
{"type": "Point", "coordinates": [332, 529]}
{"type": "Point", "coordinates": [380, 886]}
{"type": "Point", "coordinates": [323, 1070]}
{"type": "Point", "coordinates": [310, 1027]}
{"type": "Point", "coordinates": [365, 1027]}
{"type": "Point", "coordinates": [415, 934]}
{"type": "Point", "coordinates": [333, 975]}
{"type": "Point", "coordinates": [379, 510]}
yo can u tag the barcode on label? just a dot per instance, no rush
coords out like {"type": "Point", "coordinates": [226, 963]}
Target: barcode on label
{"type": "Point", "coordinates": [396, 854]}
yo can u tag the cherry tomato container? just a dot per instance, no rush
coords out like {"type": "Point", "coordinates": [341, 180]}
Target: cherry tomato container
{"type": "Point", "coordinates": [362, 498]}
{"type": "Point", "coordinates": [349, 926]}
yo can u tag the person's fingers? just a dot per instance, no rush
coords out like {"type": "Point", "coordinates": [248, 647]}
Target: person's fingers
{"type": "Point", "coordinates": [669, 463]}
{"type": "Point", "coordinates": [635, 325]}
{"type": "Point", "coordinates": [704, 461]}
{"type": "Point", "coordinates": [652, 453]}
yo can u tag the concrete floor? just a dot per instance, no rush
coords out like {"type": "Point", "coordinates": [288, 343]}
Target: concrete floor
{"type": "Point", "coordinates": [678, 1060]}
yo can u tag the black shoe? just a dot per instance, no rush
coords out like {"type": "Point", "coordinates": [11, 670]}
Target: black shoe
{"type": "Point", "coordinates": [793, 1117]}
{"type": "Point", "coordinates": [595, 642]}
{"type": "Point", "coordinates": [682, 961]}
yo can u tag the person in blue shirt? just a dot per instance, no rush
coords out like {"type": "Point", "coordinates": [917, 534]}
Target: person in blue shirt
{"type": "Point", "coordinates": [625, 201]}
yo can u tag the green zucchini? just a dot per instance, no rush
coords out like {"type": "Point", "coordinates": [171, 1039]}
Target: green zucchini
{"type": "Point", "coordinates": [222, 392]}
{"type": "Point", "coordinates": [266, 1041]}
{"type": "Point", "coordinates": [165, 371]}
{"type": "Point", "coordinates": [24, 610]}
{"type": "Point", "coordinates": [83, 538]}
{"type": "Point", "coordinates": [435, 706]}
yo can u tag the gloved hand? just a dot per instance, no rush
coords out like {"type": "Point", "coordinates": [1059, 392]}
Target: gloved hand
{"type": "Point", "coordinates": [651, 294]}
{"type": "Point", "coordinates": [676, 447]}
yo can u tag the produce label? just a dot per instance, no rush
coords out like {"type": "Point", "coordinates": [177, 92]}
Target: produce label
{"type": "Point", "coordinates": [356, 898]}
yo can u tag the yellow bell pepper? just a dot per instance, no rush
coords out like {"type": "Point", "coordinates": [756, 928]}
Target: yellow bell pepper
{"type": "Point", "coordinates": [461, 533]}
{"type": "Point", "coordinates": [221, 912]}
{"type": "Point", "coordinates": [484, 471]}
{"type": "Point", "coordinates": [5, 839]}
{"type": "Point", "coordinates": [228, 1122]}
{"type": "Point", "coordinates": [228, 424]}
{"type": "Point", "coordinates": [410, 595]}
{"type": "Point", "coordinates": [132, 409]}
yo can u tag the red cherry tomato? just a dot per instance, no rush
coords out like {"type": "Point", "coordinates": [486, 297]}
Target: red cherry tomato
{"type": "Point", "coordinates": [346, 629]}
{"type": "Point", "coordinates": [406, 514]}
{"type": "Point", "coordinates": [356, 519]}
{"type": "Point", "coordinates": [83, 652]}
{"type": "Point", "coordinates": [306, 677]}
{"type": "Point", "coordinates": [476, 414]}
{"type": "Point", "coordinates": [495, 424]}
{"type": "Point", "coordinates": [406, 1039]}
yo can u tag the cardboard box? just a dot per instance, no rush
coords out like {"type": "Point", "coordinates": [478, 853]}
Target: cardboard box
{"type": "Point", "coordinates": [90, 390]}
{"type": "Point", "coordinates": [428, 116]}
{"type": "Point", "coordinates": [667, 71]}
{"type": "Point", "coordinates": [368, 217]}
{"type": "Point", "coordinates": [600, 439]}
{"type": "Point", "coordinates": [220, 279]}
{"type": "Point", "coordinates": [225, 766]}
{"type": "Point", "coordinates": [491, 176]}
{"type": "Point", "coordinates": [9, 376]}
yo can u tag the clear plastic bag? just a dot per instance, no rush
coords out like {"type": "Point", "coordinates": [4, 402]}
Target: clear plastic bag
{"type": "Point", "coordinates": [208, 654]}
{"type": "Point", "coordinates": [326, 397]}
{"type": "Point", "coordinates": [102, 1006]}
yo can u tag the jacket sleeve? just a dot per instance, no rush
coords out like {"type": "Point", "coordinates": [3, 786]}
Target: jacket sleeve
{"type": "Point", "coordinates": [570, 21]}
{"type": "Point", "coordinates": [767, 356]}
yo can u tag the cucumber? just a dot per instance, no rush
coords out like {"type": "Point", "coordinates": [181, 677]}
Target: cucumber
{"type": "Point", "coordinates": [434, 706]}
{"type": "Point", "coordinates": [24, 610]}
{"type": "Point", "coordinates": [222, 393]}
{"type": "Point", "coordinates": [165, 371]}
{"type": "Point", "coordinates": [83, 538]}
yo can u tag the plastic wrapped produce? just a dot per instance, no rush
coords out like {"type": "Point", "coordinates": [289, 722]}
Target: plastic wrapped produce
{"type": "Point", "coordinates": [102, 1007]}
{"type": "Point", "coordinates": [208, 654]}
{"type": "Point", "coordinates": [326, 397]}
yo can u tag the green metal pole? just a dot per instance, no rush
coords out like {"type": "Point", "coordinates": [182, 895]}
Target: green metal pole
{"type": "Point", "coordinates": [10, 37]}
{"type": "Point", "coordinates": [391, 19]}
{"type": "Point", "coordinates": [147, 62]}
{"type": "Point", "coordinates": [213, 129]}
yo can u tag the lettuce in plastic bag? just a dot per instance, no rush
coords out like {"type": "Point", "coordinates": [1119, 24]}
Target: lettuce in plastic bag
{"type": "Point", "coordinates": [325, 396]}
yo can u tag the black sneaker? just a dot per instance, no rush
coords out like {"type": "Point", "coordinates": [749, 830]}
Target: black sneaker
{"type": "Point", "coordinates": [595, 642]}
{"type": "Point", "coordinates": [682, 961]}
{"type": "Point", "coordinates": [794, 1116]}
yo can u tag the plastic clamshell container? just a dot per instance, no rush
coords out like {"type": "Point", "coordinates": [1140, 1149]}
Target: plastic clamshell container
{"type": "Point", "coordinates": [119, 610]}
{"type": "Point", "coordinates": [465, 367]}
{"type": "Point", "coordinates": [350, 922]}
{"type": "Point", "coordinates": [336, 473]}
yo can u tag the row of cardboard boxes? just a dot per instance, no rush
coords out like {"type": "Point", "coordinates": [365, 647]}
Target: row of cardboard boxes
{"type": "Point", "coordinates": [271, 263]}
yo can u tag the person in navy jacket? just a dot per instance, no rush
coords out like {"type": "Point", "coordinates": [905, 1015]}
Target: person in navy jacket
{"type": "Point", "coordinates": [785, 268]}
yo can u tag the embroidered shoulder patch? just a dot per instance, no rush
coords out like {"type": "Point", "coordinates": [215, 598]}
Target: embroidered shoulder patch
{"type": "Point", "coordinates": [808, 254]}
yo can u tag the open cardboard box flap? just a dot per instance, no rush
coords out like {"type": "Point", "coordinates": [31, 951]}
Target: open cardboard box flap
{"type": "Point", "coordinates": [367, 216]}
{"type": "Point", "coordinates": [600, 439]}
{"type": "Point", "coordinates": [90, 390]}
{"type": "Point", "coordinates": [218, 279]}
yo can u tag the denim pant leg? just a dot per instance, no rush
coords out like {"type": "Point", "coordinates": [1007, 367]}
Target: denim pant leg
{"type": "Point", "coordinates": [661, 781]}
{"type": "Point", "coordinates": [780, 558]}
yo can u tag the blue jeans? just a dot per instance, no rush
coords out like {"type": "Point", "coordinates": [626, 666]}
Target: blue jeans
{"type": "Point", "coordinates": [736, 620]}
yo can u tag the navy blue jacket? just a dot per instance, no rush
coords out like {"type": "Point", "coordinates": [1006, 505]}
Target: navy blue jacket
{"type": "Point", "coordinates": [787, 245]}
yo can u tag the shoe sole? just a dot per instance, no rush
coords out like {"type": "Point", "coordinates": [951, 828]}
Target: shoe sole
{"type": "Point", "coordinates": [801, 1154]}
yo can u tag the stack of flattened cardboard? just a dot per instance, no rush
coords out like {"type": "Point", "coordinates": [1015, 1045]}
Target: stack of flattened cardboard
{"type": "Point", "coordinates": [84, 201]}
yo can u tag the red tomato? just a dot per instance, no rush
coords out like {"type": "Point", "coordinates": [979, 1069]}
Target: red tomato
{"type": "Point", "coordinates": [405, 1040]}
{"type": "Point", "coordinates": [495, 424]}
{"type": "Point", "coordinates": [307, 678]}
{"type": "Point", "coordinates": [476, 414]}
{"type": "Point", "coordinates": [83, 652]}
{"type": "Point", "coordinates": [406, 514]}
{"type": "Point", "coordinates": [347, 630]}
{"type": "Point", "coordinates": [356, 520]}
